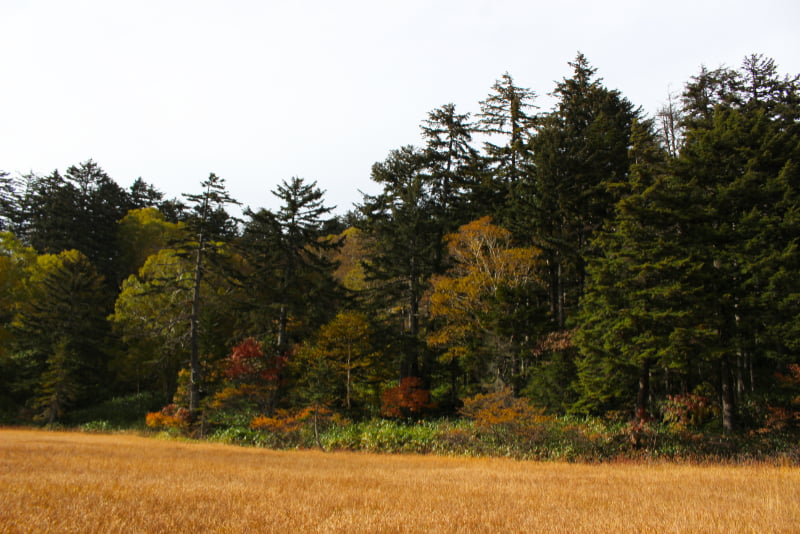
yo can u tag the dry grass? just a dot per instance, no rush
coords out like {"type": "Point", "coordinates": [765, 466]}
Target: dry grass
{"type": "Point", "coordinates": [69, 482]}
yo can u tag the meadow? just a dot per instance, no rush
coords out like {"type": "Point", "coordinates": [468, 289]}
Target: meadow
{"type": "Point", "coordinates": [81, 482]}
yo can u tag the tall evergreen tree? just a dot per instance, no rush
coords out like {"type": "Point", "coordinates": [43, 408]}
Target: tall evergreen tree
{"type": "Point", "coordinates": [695, 273]}
{"type": "Point", "coordinates": [78, 210]}
{"type": "Point", "coordinates": [144, 195]}
{"type": "Point", "coordinates": [288, 266]}
{"type": "Point", "coordinates": [63, 332]}
{"type": "Point", "coordinates": [455, 166]}
{"type": "Point", "coordinates": [8, 202]}
{"type": "Point", "coordinates": [639, 291]}
{"type": "Point", "coordinates": [405, 246]}
{"type": "Point", "coordinates": [741, 144]}
{"type": "Point", "coordinates": [581, 158]}
{"type": "Point", "coordinates": [506, 115]}
{"type": "Point", "coordinates": [208, 224]}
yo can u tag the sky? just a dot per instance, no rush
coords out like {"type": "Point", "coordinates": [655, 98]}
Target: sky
{"type": "Point", "coordinates": [258, 92]}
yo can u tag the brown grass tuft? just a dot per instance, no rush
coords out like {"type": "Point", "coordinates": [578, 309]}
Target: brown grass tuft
{"type": "Point", "coordinates": [70, 482]}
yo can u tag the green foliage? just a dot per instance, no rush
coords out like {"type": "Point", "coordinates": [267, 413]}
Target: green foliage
{"type": "Point", "coordinates": [58, 386]}
{"type": "Point", "coordinates": [142, 233]}
{"type": "Point", "coordinates": [287, 266]}
{"type": "Point", "coordinates": [61, 335]}
{"type": "Point", "coordinates": [152, 314]}
{"type": "Point", "coordinates": [117, 413]}
{"type": "Point", "coordinates": [637, 266]}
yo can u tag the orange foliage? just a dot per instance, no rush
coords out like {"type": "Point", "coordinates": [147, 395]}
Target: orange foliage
{"type": "Point", "coordinates": [501, 409]}
{"type": "Point", "coordinates": [554, 342]}
{"type": "Point", "coordinates": [285, 421]}
{"type": "Point", "coordinates": [781, 418]}
{"type": "Point", "coordinates": [170, 416]}
{"type": "Point", "coordinates": [406, 399]}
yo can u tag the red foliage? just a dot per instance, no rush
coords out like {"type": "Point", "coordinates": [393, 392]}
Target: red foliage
{"type": "Point", "coordinates": [406, 399]}
{"type": "Point", "coordinates": [248, 363]}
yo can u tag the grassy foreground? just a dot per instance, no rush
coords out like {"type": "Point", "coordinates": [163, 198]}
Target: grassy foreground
{"type": "Point", "coordinates": [77, 482]}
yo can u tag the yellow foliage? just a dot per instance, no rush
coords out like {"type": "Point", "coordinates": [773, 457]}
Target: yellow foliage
{"type": "Point", "coordinates": [485, 262]}
{"type": "Point", "coordinates": [502, 409]}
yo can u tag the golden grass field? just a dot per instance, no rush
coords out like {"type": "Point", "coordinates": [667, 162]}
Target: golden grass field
{"type": "Point", "coordinates": [73, 482]}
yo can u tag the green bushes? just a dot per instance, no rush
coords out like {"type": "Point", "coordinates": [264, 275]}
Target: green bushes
{"type": "Point", "coordinates": [126, 412]}
{"type": "Point", "coordinates": [499, 424]}
{"type": "Point", "coordinates": [550, 439]}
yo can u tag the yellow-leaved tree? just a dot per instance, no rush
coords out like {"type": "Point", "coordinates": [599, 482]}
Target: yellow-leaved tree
{"type": "Point", "coordinates": [339, 365]}
{"type": "Point", "coordinates": [476, 303]}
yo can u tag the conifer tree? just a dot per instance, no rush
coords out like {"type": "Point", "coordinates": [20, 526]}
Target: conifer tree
{"type": "Point", "coordinates": [455, 166]}
{"type": "Point", "coordinates": [581, 158]}
{"type": "Point", "coordinates": [638, 294]}
{"type": "Point", "coordinates": [289, 272]}
{"type": "Point", "coordinates": [62, 331]}
{"type": "Point", "coordinates": [9, 202]}
{"type": "Point", "coordinates": [693, 261]}
{"type": "Point", "coordinates": [505, 115]}
{"type": "Point", "coordinates": [209, 223]}
{"type": "Point", "coordinates": [406, 251]}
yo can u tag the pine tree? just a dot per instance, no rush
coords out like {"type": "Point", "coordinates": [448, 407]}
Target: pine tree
{"type": "Point", "coordinates": [9, 203]}
{"type": "Point", "coordinates": [61, 329]}
{"type": "Point", "coordinates": [741, 144]}
{"type": "Point", "coordinates": [638, 293]}
{"type": "Point", "coordinates": [58, 388]}
{"type": "Point", "coordinates": [694, 278]}
{"type": "Point", "coordinates": [78, 210]}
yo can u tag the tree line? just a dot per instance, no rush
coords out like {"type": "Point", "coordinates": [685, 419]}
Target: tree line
{"type": "Point", "coordinates": [589, 258]}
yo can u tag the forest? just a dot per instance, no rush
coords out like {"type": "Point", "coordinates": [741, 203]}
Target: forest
{"type": "Point", "coordinates": [582, 262]}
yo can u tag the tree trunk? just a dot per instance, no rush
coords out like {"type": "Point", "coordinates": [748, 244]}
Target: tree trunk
{"type": "Point", "coordinates": [347, 379]}
{"type": "Point", "coordinates": [194, 379]}
{"type": "Point", "coordinates": [283, 319]}
{"type": "Point", "coordinates": [644, 390]}
{"type": "Point", "coordinates": [728, 397]}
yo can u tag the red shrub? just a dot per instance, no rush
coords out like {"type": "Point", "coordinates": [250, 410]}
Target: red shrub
{"type": "Point", "coordinates": [406, 399]}
{"type": "Point", "coordinates": [248, 363]}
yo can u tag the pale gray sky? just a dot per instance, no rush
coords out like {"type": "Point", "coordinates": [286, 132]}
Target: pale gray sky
{"type": "Point", "coordinates": [259, 91]}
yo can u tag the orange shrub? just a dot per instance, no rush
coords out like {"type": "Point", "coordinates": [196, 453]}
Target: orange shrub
{"type": "Point", "coordinates": [502, 409]}
{"type": "Point", "coordinates": [285, 422]}
{"type": "Point", "coordinates": [170, 416]}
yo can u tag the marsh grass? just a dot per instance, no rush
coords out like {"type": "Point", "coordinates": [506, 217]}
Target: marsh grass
{"type": "Point", "coordinates": [79, 482]}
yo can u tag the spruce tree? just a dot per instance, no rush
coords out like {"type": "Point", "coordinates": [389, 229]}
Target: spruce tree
{"type": "Point", "coordinates": [455, 166]}
{"type": "Point", "coordinates": [695, 278]}
{"type": "Point", "coordinates": [62, 331]}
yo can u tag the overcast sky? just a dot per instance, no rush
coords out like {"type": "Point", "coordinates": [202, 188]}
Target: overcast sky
{"type": "Point", "coordinates": [260, 91]}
